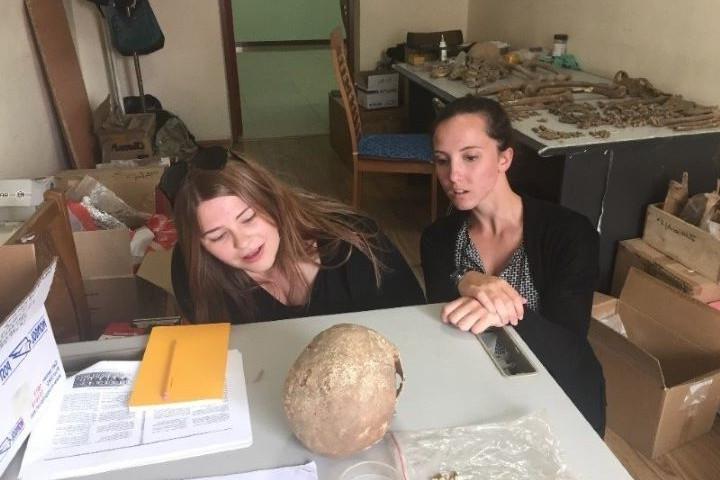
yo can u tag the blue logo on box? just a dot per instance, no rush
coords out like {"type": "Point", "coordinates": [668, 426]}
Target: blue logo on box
{"type": "Point", "coordinates": [23, 348]}
{"type": "Point", "coordinates": [8, 441]}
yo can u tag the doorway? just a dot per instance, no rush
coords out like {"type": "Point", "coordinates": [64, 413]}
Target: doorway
{"type": "Point", "coordinates": [279, 54]}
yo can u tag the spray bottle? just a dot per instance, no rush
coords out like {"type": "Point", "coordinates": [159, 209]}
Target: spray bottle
{"type": "Point", "coordinates": [443, 49]}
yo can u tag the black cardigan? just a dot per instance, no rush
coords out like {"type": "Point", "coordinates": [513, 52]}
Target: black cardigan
{"type": "Point", "coordinates": [349, 287]}
{"type": "Point", "coordinates": [562, 250]}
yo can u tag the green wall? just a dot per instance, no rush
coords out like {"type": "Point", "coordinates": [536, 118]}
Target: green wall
{"type": "Point", "coordinates": [272, 20]}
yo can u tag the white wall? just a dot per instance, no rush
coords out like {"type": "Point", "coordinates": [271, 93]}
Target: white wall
{"type": "Point", "coordinates": [30, 143]}
{"type": "Point", "coordinates": [673, 44]}
{"type": "Point", "coordinates": [187, 75]}
{"type": "Point", "coordinates": [385, 23]}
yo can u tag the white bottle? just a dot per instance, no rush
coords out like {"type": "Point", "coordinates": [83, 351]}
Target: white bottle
{"type": "Point", "coordinates": [443, 49]}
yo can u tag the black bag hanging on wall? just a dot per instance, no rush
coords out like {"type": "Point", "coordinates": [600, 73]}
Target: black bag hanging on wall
{"type": "Point", "coordinates": [133, 26]}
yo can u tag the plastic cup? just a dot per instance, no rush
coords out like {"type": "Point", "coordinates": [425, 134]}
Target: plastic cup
{"type": "Point", "coordinates": [371, 471]}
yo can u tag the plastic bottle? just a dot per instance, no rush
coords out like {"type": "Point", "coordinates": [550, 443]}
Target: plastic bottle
{"type": "Point", "coordinates": [443, 49]}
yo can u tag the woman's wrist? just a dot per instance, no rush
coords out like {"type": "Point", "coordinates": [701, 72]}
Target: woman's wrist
{"type": "Point", "coordinates": [459, 274]}
{"type": "Point", "coordinates": [469, 279]}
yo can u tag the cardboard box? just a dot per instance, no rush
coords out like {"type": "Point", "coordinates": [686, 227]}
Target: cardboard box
{"type": "Point", "coordinates": [637, 253]}
{"type": "Point", "coordinates": [134, 139]}
{"type": "Point", "coordinates": [20, 197]}
{"type": "Point", "coordinates": [26, 264]}
{"type": "Point", "coordinates": [693, 247]}
{"type": "Point", "coordinates": [113, 291]}
{"type": "Point", "coordinates": [377, 81]}
{"type": "Point", "coordinates": [106, 267]}
{"type": "Point", "coordinates": [382, 99]}
{"type": "Point", "coordinates": [136, 186]}
{"type": "Point", "coordinates": [663, 376]}
{"type": "Point", "coordinates": [23, 192]}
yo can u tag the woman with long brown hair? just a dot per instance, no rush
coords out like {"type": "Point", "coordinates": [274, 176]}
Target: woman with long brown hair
{"type": "Point", "coordinates": [252, 248]}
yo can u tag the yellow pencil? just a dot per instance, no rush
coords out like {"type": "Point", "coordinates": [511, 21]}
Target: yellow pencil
{"type": "Point", "coordinates": [169, 377]}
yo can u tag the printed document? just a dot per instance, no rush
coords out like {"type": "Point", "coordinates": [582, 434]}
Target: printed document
{"type": "Point", "coordinates": [91, 430]}
{"type": "Point", "coordinates": [301, 472]}
{"type": "Point", "coordinates": [30, 367]}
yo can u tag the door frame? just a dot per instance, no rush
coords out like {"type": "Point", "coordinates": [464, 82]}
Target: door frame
{"type": "Point", "coordinates": [349, 10]}
{"type": "Point", "coordinates": [231, 73]}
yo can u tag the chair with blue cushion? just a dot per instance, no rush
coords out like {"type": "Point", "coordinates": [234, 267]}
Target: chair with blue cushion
{"type": "Point", "coordinates": [379, 153]}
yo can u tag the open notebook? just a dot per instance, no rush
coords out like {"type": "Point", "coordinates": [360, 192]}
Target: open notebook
{"type": "Point", "coordinates": [91, 430]}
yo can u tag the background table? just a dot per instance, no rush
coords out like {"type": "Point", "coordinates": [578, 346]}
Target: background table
{"type": "Point", "coordinates": [450, 381]}
{"type": "Point", "coordinates": [611, 181]}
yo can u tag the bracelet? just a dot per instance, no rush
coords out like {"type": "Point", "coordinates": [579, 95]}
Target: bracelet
{"type": "Point", "coordinates": [457, 275]}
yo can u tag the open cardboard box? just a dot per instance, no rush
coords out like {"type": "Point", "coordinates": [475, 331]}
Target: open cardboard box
{"type": "Point", "coordinates": [663, 375]}
{"type": "Point", "coordinates": [114, 292]}
{"type": "Point", "coordinates": [136, 186]}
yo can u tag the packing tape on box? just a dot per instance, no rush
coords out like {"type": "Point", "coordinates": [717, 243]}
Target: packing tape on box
{"type": "Point", "coordinates": [697, 393]}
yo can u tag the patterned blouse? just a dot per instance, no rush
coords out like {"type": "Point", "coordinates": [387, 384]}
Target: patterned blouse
{"type": "Point", "coordinates": [516, 272]}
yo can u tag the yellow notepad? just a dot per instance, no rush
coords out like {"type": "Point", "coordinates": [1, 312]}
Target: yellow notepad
{"type": "Point", "coordinates": [184, 363]}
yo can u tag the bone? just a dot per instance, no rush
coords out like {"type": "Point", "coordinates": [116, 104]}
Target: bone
{"type": "Point", "coordinates": [562, 97]}
{"type": "Point", "coordinates": [609, 91]}
{"type": "Point", "coordinates": [685, 127]}
{"type": "Point", "coordinates": [669, 122]}
{"type": "Point", "coordinates": [534, 65]}
{"type": "Point", "coordinates": [637, 101]}
{"type": "Point", "coordinates": [527, 73]}
{"type": "Point", "coordinates": [495, 89]}
{"type": "Point", "coordinates": [553, 90]}
{"type": "Point", "coordinates": [523, 108]}
{"type": "Point", "coordinates": [532, 88]}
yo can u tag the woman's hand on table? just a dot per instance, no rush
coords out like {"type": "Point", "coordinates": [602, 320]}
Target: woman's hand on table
{"type": "Point", "coordinates": [494, 294]}
{"type": "Point", "coordinates": [469, 315]}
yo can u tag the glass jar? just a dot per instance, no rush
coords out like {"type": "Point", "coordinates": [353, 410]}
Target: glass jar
{"type": "Point", "coordinates": [559, 44]}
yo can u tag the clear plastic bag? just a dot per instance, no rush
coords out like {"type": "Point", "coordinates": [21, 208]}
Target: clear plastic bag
{"type": "Point", "coordinates": [523, 449]}
{"type": "Point", "coordinates": [104, 206]}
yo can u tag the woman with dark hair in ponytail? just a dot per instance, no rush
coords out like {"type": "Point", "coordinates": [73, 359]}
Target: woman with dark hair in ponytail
{"type": "Point", "coordinates": [506, 259]}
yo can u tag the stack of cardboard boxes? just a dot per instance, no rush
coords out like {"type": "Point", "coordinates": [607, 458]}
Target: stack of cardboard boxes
{"type": "Point", "coordinates": [659, 343]}
{"type": "Point", "coordinates": [377, 89]}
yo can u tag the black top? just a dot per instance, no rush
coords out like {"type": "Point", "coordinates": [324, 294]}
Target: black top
{"type": "Point", "coordinates": [562, 248]}
{"type": "Point", "coordinates": [348, 288]}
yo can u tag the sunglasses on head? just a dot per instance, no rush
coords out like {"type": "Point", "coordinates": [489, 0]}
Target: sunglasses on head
{"type": "Point", "coordinates": [213, 158]}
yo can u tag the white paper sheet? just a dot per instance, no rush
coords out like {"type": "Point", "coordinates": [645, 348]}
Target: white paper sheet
{"type": "Point", "coordinates": [30, 367]}
{"type": "Point", "coordinates": [91, 430]}
{"type": "Point", "coordinates": [301, 472]}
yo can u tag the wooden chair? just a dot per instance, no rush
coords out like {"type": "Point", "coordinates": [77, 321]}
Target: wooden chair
{"type": "Point", "coordinates": [379, 153]}
{"type": "Point", "coordinates": [49, 231]}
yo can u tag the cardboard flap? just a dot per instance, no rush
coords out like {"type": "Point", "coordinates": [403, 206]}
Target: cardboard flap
{"type": "Point", "coordinates": [104, 253]}
{"type": "Point", "coordinates": [602, 336]}
{"type": "Point", "coordinates": [19, 264]}
{"type": "Point", "coordinates": [156, 269]}
{"type": "Point", "coordinates": [686, 317]}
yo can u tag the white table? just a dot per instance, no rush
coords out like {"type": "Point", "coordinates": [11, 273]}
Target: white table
{"type": "Point", "coordinates": [449, 90]}
{"type": "Point", "coordinates": [450, 381]}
